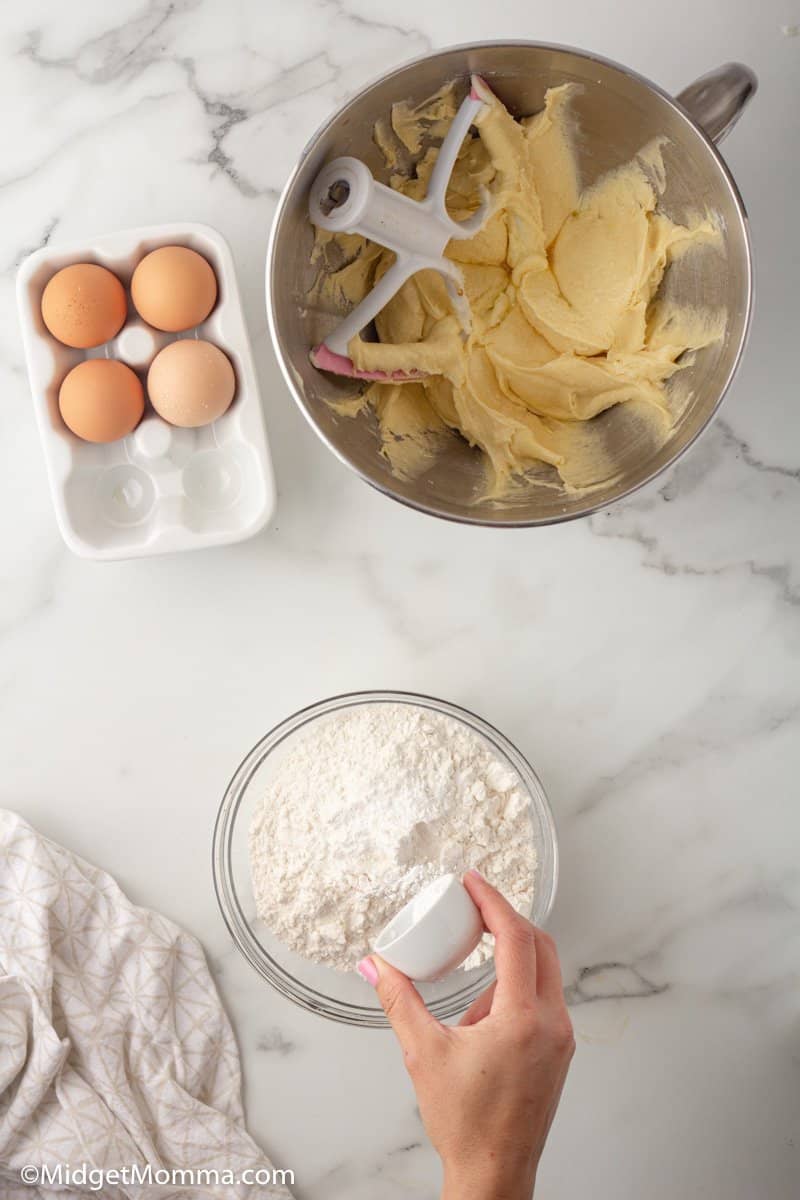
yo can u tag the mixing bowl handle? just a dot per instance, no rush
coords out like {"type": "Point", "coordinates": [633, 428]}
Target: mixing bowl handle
{"type": "Point", "coordinates": [717, 100]}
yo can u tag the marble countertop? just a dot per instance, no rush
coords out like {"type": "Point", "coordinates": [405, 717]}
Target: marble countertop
{"type": "Point", "coordinates": [647, 660]}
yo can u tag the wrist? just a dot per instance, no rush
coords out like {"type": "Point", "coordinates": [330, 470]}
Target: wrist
{"type": "Point", "coordinates": [488, 1181]}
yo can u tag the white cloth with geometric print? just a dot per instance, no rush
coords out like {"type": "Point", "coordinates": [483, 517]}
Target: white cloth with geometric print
{"type": "Point", "coordinates": [114, 1047]}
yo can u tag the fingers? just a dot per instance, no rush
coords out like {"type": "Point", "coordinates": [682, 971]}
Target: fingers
{"type": "Point", "coordinates": [549, 984]}
{"type": "Point", "coordinates": [526, 958]}
{"type": "Point", "coordinates": [479, 1008]}
{"type": "Point", "coordinates": [497, 913]}
{"type": "Point", "coordinates": [515, 941]}
{"type": "Point", "coordinates": [400, 1000]}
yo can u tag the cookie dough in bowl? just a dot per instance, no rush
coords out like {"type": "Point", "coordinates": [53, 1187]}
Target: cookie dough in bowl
{"type": "Point", "coordinates": [512, 430]}
{"type": "Point", "coordinates": [563, 286]}
{"type": "Point", "coordinates": [343, 812]}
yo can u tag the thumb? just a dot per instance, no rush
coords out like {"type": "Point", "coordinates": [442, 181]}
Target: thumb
{"type": "Point", "coordinates": [404, 1007]}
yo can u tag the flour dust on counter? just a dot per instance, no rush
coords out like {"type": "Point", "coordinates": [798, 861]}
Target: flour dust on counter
{"type": "Point", "coordinates": [368, 807]}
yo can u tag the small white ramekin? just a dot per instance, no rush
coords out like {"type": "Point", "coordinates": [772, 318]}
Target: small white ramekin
{"type": "Point", "coordinates": [434, 932]}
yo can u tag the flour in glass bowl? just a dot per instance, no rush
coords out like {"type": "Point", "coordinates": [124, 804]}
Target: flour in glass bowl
{"type": "Point", "coordinates": [367, 806]}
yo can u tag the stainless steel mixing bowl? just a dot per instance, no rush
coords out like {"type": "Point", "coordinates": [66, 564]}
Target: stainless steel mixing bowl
{"type": "Point", "coordinates": [617, 113]}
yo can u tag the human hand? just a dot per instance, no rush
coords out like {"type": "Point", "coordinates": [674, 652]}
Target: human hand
{"type": "Point", "coordinates": [489, 1087]}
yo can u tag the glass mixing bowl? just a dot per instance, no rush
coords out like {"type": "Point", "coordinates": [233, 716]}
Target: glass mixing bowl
{"type": "Point", "coordinates": [334, 994]}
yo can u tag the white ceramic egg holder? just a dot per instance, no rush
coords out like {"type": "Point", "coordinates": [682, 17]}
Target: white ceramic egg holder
{"type": "Point", "coordinates": [161, 488]}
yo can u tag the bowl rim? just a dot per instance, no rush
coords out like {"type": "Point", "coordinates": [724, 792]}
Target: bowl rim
{"type": "Point", "coordinates": [431, 508]}
{"type": "Point", "coordinates": [239, 928]}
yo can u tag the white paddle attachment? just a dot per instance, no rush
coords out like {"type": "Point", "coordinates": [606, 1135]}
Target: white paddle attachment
{"type": "Point", "coordinates": [345, 198]}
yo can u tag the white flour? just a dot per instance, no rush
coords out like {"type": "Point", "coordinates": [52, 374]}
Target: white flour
{"type": "Point", "coordinates": [367, 807]}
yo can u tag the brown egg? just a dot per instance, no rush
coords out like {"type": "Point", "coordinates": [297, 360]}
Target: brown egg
{"type": "Point", "coordinates": [190, 383]}
{"type": "Point", "coordinates": [84, 305]}
{"type": "Point", "coordinates": [174, 288]}
{"type": "Point", "coordinates": [101, 400]}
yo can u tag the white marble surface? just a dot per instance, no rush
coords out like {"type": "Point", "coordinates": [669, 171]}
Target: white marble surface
{"type": "Point", "coordinates": [647, 661]}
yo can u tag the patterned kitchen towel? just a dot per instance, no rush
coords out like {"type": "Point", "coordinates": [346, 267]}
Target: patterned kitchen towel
{"type": "Point", "coordinates": [115, 1051]}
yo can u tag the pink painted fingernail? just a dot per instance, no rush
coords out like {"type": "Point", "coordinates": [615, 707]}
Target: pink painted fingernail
{"type": "Point", "coordinates": [476, 874]}
{"type": "Point", "coordinates": [368, 970]}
